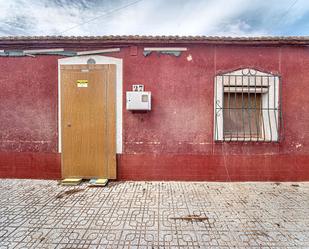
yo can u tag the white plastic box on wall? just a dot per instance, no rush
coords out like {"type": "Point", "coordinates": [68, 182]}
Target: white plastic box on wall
{"type": "Point", "coordinates": [139, 101]}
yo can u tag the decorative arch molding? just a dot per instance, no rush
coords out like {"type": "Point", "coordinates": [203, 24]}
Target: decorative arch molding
{"type": "Point", "coordinates": [98, 59]}
{"type": "Point", "coordinates": [246, 70]}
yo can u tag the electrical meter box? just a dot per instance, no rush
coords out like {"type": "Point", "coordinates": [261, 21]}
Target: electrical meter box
{"type": "Point", "coordinates": [139, 101]}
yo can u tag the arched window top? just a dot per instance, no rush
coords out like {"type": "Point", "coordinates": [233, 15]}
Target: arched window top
{"type": "Point", "coordinates": [249, 72]}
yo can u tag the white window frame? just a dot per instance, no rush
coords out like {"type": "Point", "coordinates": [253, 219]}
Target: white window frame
{"type": "Point", "coordinates": [248, 78]}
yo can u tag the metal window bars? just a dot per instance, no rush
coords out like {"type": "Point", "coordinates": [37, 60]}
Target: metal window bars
{"type": "Point", "coordinates": [248, 106]}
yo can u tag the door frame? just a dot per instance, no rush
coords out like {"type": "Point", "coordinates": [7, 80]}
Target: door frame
{"type": "Point", "coordinates": [82, 60]}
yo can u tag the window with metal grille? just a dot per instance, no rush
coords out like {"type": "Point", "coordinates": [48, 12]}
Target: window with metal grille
{"type": "Point", "coordinates": [247, 106]}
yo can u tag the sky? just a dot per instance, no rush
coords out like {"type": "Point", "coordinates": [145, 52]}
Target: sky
{"type": "Point", "coordinates": [154, 17]}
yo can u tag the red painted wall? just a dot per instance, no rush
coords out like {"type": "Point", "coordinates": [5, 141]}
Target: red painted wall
{"type": "Point", "coordinates": [175, 140]}
{"type": "Point", "coordinates": [28, 124]}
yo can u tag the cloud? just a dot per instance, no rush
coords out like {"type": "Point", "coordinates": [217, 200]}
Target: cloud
{"type": "Point", "coordinates": [160, 17]}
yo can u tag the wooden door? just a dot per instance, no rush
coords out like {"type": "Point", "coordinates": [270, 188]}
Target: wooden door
{"type": "Point", "coordinates": [88, 122]}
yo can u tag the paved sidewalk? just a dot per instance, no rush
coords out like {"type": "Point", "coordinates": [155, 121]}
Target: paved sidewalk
{"type": "Point", "coordinates": [42, 214]}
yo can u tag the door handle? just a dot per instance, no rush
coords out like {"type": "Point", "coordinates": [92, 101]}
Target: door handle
{"type": "Point", "coordinates": [69, 125]}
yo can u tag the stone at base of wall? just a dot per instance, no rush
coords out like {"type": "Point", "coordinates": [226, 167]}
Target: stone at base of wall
{"type": "Point", "coordinates": [36, 165]}
{"type": "Point", "coordinates": [159, 167]}
{"type": "Point", "coordinates": [278, 167]}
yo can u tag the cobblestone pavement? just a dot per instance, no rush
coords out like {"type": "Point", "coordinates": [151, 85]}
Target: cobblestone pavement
{"type": "Point", "coordinates": [42, 214]}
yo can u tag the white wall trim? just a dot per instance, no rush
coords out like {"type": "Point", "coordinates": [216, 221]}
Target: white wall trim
{"type": "Point", "coordinates": [119, 83]}
{"type": "Point", "coordinates": [108, 50]}
{"type": "Point", "coordinates": [36, 51]}
{"type": "Point", "coordinates": [165, 49]}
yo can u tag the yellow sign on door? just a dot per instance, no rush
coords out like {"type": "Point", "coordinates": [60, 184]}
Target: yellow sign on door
{"type": "Point", "coordinates": [82, 83]}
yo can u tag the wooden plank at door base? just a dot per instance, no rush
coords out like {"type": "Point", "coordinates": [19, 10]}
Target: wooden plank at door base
{"type": "Point", "coordinates": [98, 182]}
{"type": "Point", "coordinates": [88, 121]}
{"type": "Point", "coordinates": [71, 181]}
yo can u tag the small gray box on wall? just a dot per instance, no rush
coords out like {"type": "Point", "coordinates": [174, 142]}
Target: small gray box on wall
{"type": "Point", "coordinates": [139, 101]}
